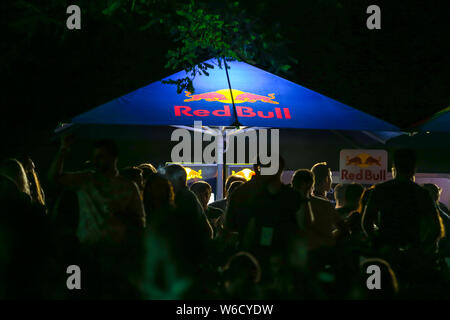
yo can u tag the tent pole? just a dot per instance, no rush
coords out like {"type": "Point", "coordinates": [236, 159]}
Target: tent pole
{"type": "Point", "coordinates": [220, 163]}
{"type": "Point", "coordinates": [236, 121]}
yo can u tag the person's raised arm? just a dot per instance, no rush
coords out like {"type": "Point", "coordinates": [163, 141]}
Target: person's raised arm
{"type": "Point", "coordinates": [57, 174]}
{"type": "Point", "coordinates": [37, 192]}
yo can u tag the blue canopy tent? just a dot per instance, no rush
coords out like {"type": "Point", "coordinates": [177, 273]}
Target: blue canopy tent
{"type": "Point", "coordinates": [439, 122]}
{"type": "Point", "coordinates": [245, 95]}
{"type": "Point", "coordinates": [262, 100]}
{"type": "Point", "coordinates": [431, 139]}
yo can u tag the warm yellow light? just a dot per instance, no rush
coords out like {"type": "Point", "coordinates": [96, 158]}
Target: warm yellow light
{"type": "Point", "coordinates": [192, 174]}
{"type": "Point", "coordinates": [245, 173]}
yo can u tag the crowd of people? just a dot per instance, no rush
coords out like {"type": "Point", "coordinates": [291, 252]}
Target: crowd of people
{"type": "Point", "coordinates": [143, 233]}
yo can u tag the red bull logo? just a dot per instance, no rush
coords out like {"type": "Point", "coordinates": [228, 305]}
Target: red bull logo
{"type": "Point", "coordinates": [224, 96]}
{"type": "Point", "coordinates": [363, 160]}
{"type": "Point", "coordinates": [192, 174]}
{"type": "Point", "coordinates": [246, 173]}
{"type": "Point", "coordinates": [364, 166]}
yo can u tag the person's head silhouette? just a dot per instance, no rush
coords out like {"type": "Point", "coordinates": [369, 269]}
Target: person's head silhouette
{"type": "Point", "coordinates": [339, 195]}
{"type": "Point", "coordinates": [230, 180]}
{"type": "Point", "coordinates": [158, 193]}
{"type": "Point", "coordinates": [135, 175]}
{"type": "Point", "coordinates": [202, 190]}
{"type": "Point", "coordinates": [105, 156]}
{"type": "Point", "coordinates": [176, 174]}
{"type": "Point", "coordinates": [433, 190]}
{"type": "Point", "coordinates": [303, 181]}
{"type": "Point", "coordinates": [322, 179]}
{"type": "Point", "coordinates": [404, 164]}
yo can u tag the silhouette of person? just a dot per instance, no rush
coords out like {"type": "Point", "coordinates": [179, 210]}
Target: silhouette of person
{"type": "Point", "coordinates": [203, 190]}
{"type": "Point", "coordinates": [110, 205]}
{"type": "Point", "coordinates": [322, 180]}
{"type": "Point", "coordinates": [352, 197]}
{"type": "Point", "coordinates": [222, 203]}
{"type": "Point", "coordinates": [404, 212]}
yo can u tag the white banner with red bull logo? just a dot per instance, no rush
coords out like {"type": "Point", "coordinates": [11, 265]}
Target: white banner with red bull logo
{"type": "Point", "coordinates": [363, 166]}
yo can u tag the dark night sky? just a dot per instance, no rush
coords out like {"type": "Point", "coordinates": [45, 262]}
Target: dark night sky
{"type": "Point", "coordinates": [399, 73]}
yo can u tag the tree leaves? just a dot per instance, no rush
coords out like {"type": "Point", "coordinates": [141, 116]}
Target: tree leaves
{"type": "Point", "coordinates": [199, 30]}
{"type": "Point", "coordinates": [202, 31]}
{"type": "Point", "coordinates": [113, 6]}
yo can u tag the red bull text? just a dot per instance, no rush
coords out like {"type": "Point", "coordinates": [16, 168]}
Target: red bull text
{"type": "Point", "coordinates": [364, 174]}
{"type": "Point", "coordinates": [279, 113]}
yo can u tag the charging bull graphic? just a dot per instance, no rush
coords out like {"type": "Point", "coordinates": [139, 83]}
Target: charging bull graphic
{"type": "Point", "coordinates": [192, 174]}
{"type": "Point", "coordinates": [246, 173]}
{"type": "Point", "coordinates": [363, 160]}
{"type": "Point", "coordinates": [251, 97]}
{"type": "Point", "coordinates": [370, 161]}
{"type": "Point", "coordinates": [208, 96]}
{"type": "Point", "coordinates": [355, 161]}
